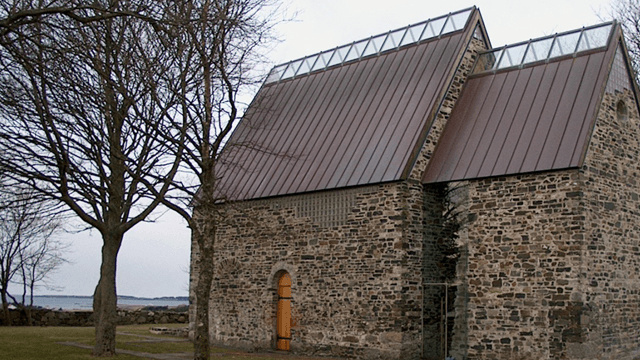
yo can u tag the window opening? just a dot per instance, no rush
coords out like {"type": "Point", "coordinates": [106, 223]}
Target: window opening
{"type": "Point", "coordinates": [622, 114]}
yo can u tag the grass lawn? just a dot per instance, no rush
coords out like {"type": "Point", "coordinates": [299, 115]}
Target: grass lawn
{"type": "Point", "coordinates": [31, 343]}
{"type": "Point", "coordinates": [22, 343]}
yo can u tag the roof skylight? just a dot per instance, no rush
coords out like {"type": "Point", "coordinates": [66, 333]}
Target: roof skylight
{"type": "Point", "coordinates": [371, 46]}
{"type": "Point", "coordinates": [571, 42]}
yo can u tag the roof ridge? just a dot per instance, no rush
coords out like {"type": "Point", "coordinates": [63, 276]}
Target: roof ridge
{"type": "Point", "coordinates": [373, 45]}
{"type": "Point", "coordinates": [545, 48]}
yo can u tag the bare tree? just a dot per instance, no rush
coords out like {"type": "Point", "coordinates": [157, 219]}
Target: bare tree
{"type": "Point", "coordinates": [16, 14]}
{"type": "Point", "coordinates": [219, 44]}
{"type": "Point", "coordinates": [38, 262]}
{"type": "Point", "coordinates": [627, 12]}
{"type": "Point", "coordinates": [86, 101]}
{"type": "Point", "coordinates": [27, 225]}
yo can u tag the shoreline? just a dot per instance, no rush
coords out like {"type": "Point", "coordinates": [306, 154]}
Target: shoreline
{"type": "Point", "coordinates": [85, 303]}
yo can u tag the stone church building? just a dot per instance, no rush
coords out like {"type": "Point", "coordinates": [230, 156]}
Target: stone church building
{"type": "Point", "coordinates": [423, 195]}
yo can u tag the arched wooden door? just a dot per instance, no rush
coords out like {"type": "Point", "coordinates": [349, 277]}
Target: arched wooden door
{"type": "Point", "coordinates": [284, 312]}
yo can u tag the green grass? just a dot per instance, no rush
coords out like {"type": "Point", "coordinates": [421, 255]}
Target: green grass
{"type": "Point", "coordinates": [31, 343]}
{"type": "Point", "coordinates": [144, 329]}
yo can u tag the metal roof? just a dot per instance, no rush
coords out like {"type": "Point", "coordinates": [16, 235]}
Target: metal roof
{"type": "Point", "coordinates": [352, 124]}
{"type": "Point", "coordinates": [527, 118]}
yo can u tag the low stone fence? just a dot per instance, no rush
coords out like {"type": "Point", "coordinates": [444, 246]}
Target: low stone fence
{"type": "Point", "coordinates": [46, 317]}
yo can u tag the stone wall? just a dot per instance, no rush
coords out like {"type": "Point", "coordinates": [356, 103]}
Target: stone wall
{"type": "Point", "coordinates": [552, 270]}
{"type": "Point", "coordinates": [610, 286]}
{"type": "Point", "coordinates": [46, 317]}
{"type": "Point", "coordinates": [523, 260]}
{"type": "Point", "coordinates": [352, 295]}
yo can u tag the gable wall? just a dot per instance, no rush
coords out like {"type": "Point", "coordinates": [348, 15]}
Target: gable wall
{"type": "Point", "coordinates": [551, 267]}
{"type": "Point", "coordinates": [611, 271]}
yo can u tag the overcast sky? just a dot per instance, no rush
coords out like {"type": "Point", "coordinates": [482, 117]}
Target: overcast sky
{"type": "Point", "coordinates": [154, 258]}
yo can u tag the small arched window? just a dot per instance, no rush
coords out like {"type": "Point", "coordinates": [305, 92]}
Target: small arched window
{"type": "Point", "coordinates": [622, 115]}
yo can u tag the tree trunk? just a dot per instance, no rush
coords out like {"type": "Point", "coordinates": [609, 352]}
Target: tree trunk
{"type": "Point", "coordinates": [5, 308]}
{"type": "Point", "coordinates": [203, 293]}
{"type": "Point", "coordinates": [105, 299]}
{"type": "Point", "coordinates": [30, 307]}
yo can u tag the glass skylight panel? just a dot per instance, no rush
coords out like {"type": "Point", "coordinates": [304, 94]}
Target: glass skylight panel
{"type": "Point", "coordinates": [388, 44]}
{"type": "Point", "coordinates": [428, 32]}
{"type": "Point", "coordinates": [498, 55]}
{"type": "Point", "coordinates": [360, 46]}
{"type": "Point", "coordinates": [448, 26]}
{"type": "Point", "coordinates": [356, 50]}
{"type": "Point", "coordinates": [512, 56]}
{"type": "Point", "coordinates": [594, 38]}
{"type": "Point", "coordinates": [292, 69]}
{"type": "Point", "coordinates": [478, 34]}
{"type": "Point", "coordinates": [458, 20]}
{"type": "Point", "coordinates": [538, 50]}
{"type": "Point", "coordinates": [397, 36]}
{"type": "Point", "coordinates": [338, 55]}
{"type": "Point", "coordinates": [374, 45]}
{"type": "Point", "coordinates": [487, 61]}
{"type": "Point", "coordinates": [407, 39]}
{"type": "Point", "coordinates": [276, 73]}
{"type": "Point", "coordinates": [565, 44]}
{"type": "Point", "coordinates": [585, 42]}
{"type": "Point", "coordinates": [413, 34]}
{"type": "Point", "coordinates": [392, 40]}
{"type": "Point", "coordinates": [436, 27]}
{"type": "Point", "coordinates": [343, 51]}
{"type": "Point", "coordinates": [322, 61]}
{"type": "Point", "coordinates": [306, 65]}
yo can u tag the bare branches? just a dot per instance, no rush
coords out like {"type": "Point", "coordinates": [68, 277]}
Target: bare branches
{"type": "Point", "coordinates": [83, 106]}
{"type": "Point", "coordinates": [29, 251]}
{"type": "Point", "coordinates": [15, 15]}
{"type": "Point", "coordinates": [217, 44]}
{"type": "Point", "coordinates": [627, 12]}
{"type": "Point", "coordinates": [86, 102]}
{"type": "Point", "coordinates": [112, 107]}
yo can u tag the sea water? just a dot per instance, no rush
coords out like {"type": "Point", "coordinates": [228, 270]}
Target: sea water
{"type": "Point", "coordinates": [86, 302]}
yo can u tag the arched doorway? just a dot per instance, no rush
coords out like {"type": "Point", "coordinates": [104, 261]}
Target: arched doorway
{"type": "Point", "coordinates": [284, 312]}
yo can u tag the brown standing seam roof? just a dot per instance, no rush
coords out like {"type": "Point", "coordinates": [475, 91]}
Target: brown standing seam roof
{"type": "Point", "coordinates": [534, 118]}
{"type": "Point", "coordinates": [348, 125]}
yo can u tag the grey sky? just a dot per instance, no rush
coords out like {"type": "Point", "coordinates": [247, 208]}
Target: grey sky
{"type": "Point", "coordinates": [155, 256]}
